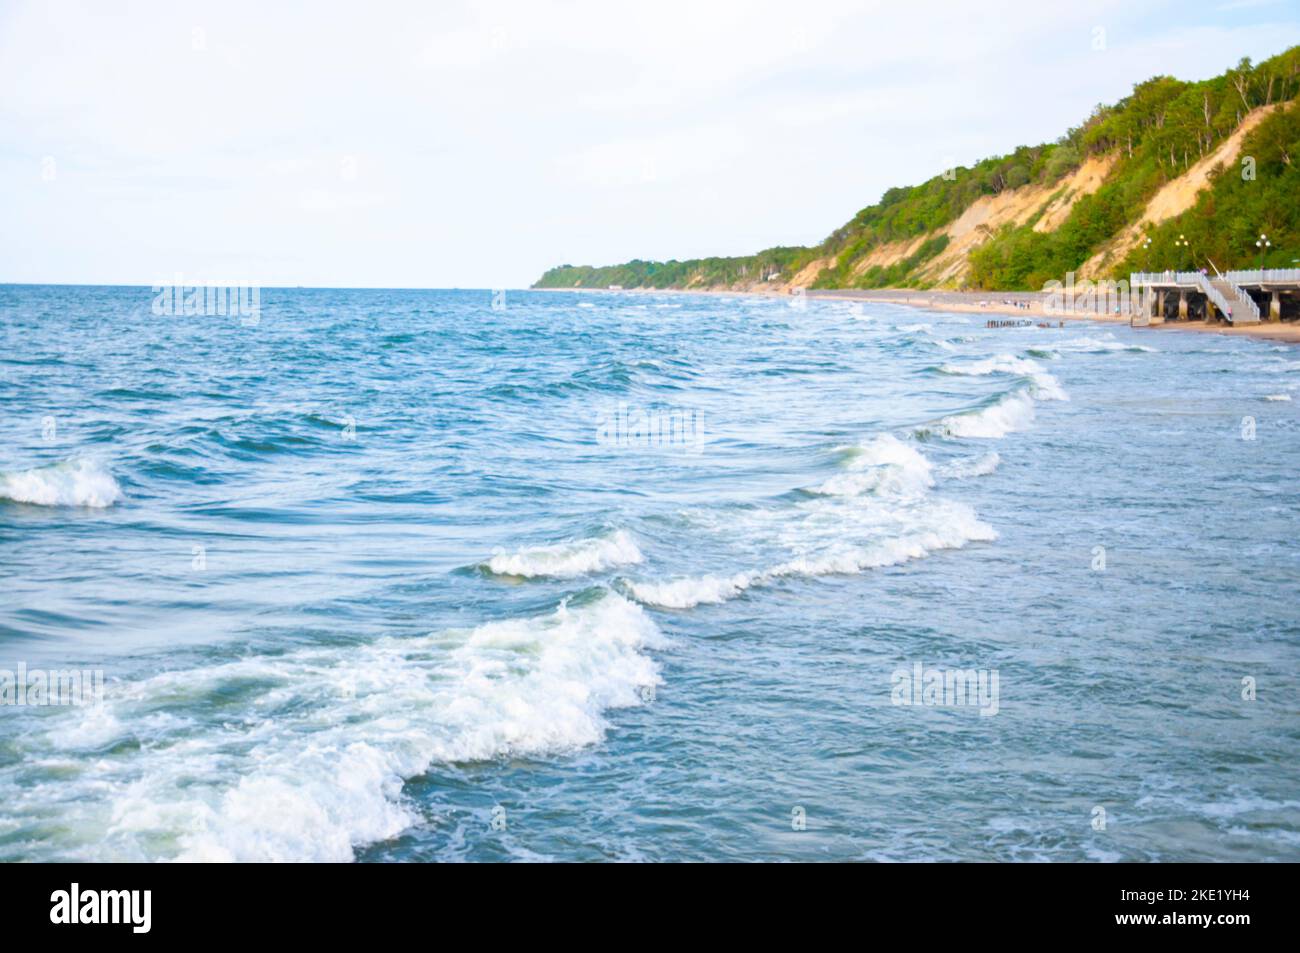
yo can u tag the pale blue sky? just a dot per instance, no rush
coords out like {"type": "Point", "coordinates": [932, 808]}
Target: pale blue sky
{"type": "Point", "coordinates": [476, 144]}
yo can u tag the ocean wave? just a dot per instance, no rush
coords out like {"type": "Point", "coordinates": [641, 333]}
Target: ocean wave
{"type": "Point", "coordinates": [884, 465]}
{"type": "Point", "coordinates": [920, 530]}
{"type": "Point", "coordinates": [77, 482]}
{"type": "Point", "coordinates": [1091, 345]}
{"type": "Point", "coordinates": [315, 764]}
{"type": "Point", "coordinates": [688, 592]}
{"type": "Point", "coordinates": [966, 467]}
{"type": "Point", "coordinates": [1045, 386]}
{"type": "Point", "coordinates": [1277, 397]}
{"type": "Point", "coordinates": [568, 560]}
{"type": "Point", "coordinates": [1010, 413]}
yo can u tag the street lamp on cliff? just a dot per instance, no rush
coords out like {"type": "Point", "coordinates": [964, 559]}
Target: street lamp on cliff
{"type": "Point", "coordinates": [1184, 243]}
{"type": "Point", "coordinates": [1263, 244]}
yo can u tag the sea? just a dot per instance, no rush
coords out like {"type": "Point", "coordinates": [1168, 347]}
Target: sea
{"type": "Point", "coordinates": [457, 575]}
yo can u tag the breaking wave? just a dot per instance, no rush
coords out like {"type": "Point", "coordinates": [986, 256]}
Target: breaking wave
{"type": "Point", "coordinates": [568, 560]}
{"type": "Point", "coordinates": [1008, 414]}
{"type": "Point", "coordinates": [966, 467]}
{"type": "Point", "coordinates": [1091, 345]}
{"type": "Point", "coordinates": [883, 465]}
{"type": "Point", "coordinates": [78, 482]}
{"type": "Point", "coordinates": [320, 770]}
{"type": "Point", "coordinates": [1045, 386]}
{"type": "Point", "coordinates": [921, 530]}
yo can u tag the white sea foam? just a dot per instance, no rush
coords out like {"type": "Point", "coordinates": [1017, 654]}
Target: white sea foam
{"type": "Point", "coordinates": [1010, 413]}
{"type": "Point", "coordinates": [687, 592]}
{"type": "Point", "coordinates": [966, 467]}
{"type": "Point", "coordinates": [78, 482]}
{"type": "Point", "coordinates": [1099, 345]}
{"type": "Point", "coordinates": [879, 512]}
{"type": "Point", "coordinates": [836, 537]}
{"type": "Point", "coordinates": [883, 465]}
{"type": "Point", "coordinates": [1278, 397]}
{"type": "Point", "coordinates": [568, 560]}
{"type": "Point", "coordinates": [312, 761]}
{"type": "Point", "coordinates": [945, 525]}
{"type": "Point", "coordinates": [1045, 386]}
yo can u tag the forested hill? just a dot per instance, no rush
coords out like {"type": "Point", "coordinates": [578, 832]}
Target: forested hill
{"type": "Point", "coordinates": [1214, 162]}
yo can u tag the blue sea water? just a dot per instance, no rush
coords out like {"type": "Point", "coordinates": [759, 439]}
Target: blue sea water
{"type": "Point", "coordinates": [401, 575]}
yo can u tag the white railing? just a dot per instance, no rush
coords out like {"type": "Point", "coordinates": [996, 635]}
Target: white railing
{"type": "Point", "coordinates": [1211, 291]}
{"type": "Point", "coordinates": [1243, 306]}
{"type": "Point", "coordinates": [1140, 278]}
{"type": "Point", "coordinates": [1252, 277]}
{"type": "Point", "coordinates": [1267, 276]}
{"type": "Point", "coordinates": [1231, 300]}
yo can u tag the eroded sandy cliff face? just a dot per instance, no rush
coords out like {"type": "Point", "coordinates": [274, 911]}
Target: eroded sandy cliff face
{"type": "Point", "coordinates": [1177, 195]}
{"type": "Point", "coordinates": [984, 217]}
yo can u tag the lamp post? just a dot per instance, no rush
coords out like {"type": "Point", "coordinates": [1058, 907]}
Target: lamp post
{"type": "Point", "coordinates": [1185, 244]}
{"type": "Point", "coordinates": [1146, 254]}
{"type": "Point", "coordinates": [1263, 244]}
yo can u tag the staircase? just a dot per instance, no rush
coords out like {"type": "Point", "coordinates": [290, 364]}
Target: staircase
{"type": "Point", "coordinates": [1235, 305]}
{"type": "Point", "coordinates": [1244, 309]}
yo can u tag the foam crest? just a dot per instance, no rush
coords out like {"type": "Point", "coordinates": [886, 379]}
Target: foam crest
{"type": "Point", "coordinates": [311, 761]}
{"type": "Point", "coordinates": [828, 537]}
{"type": "Point", "coordinates": [885, 465]}
{"type": "Point", "coordinates": [1101, 345]}
{"type": "Point", "coordinates": [967, 467]}
{"type": "Point", "coordinates": [951, 526]}
{"type": "Point", "coordinates": [1010, 413]}
{"type": "Point", "coordinates": [568, 560]}
{"type": "Point", "coordinates": [1044, 385]}
{"type": "Point", "coordinates": [688, 592]}
{"type": "Point", "coordinates": [78, 482]}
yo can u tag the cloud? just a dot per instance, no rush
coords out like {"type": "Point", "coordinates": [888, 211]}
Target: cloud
{"type": "Point", "coordinates": [489, 140]}
{"type": "Point", "coordinates": [657, 160]}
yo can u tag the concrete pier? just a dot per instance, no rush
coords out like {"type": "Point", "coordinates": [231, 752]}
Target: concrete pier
{"type": "Point", "coordinates": [1239, 297]}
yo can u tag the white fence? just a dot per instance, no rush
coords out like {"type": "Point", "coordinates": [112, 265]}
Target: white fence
{"type": "Point", "coordinates": [1225, 291]}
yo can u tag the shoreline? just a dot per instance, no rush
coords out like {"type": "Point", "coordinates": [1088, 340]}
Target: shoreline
{"type": "Point", "coordinates": [1022, 304]}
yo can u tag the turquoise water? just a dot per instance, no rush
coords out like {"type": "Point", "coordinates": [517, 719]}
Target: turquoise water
{"type": "Point", "coordinates": [395, 575]}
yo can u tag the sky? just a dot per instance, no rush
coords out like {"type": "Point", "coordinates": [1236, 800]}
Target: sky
{"type": "Point", "coordinates": [476, 144]}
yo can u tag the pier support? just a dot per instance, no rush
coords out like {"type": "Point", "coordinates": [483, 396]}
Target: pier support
{"type": "Point", "coordinates": [1153, 312]}
{"type": "Point", "coordinates": [1248, 297]}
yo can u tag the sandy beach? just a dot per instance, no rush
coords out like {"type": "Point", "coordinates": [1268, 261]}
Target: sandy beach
{"type": "Point", "coordinates": [1029, 305]}
{"type": "Point", "coordinates": [1032, 304]}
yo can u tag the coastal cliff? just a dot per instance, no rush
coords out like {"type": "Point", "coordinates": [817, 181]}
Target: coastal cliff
{"type": "Point", "coordinates": [1199, 168]}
